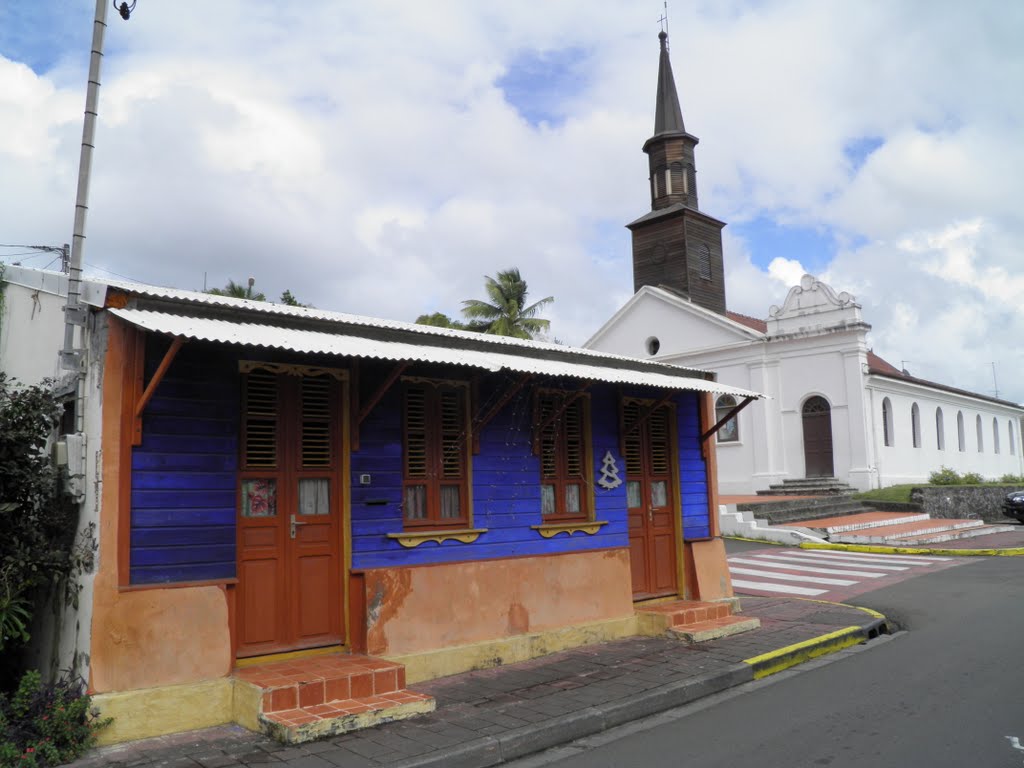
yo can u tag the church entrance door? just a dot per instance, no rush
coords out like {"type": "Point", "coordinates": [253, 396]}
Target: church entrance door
{"type": "Point", "coordinates": [817, 418]}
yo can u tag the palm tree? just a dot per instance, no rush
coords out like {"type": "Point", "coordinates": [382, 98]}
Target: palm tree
{"type": "Point", "coordinates": [505, 314]}
{"type": "Point", "coordinates": [239, 291]}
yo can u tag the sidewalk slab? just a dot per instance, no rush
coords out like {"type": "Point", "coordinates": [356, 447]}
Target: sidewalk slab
{"type": "Point", "coordinates": [491, 716]}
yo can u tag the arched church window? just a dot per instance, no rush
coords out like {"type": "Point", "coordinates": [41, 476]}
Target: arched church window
{"type": "Point", "coordinates": [961, 440]}
{"type": "Point", "coordinates": [981, 433]}
{"type": "Point", "coordinates": [730, 431]}
{"type": "Point", "coordinates": [1013, 446]}
{"type": "Point", "coordinates": [668, 182]}
{"type": "Point", "coordinates": [995, 435]}
{"type": "Point", "coordinates": [887, 435]}
{"type": "Point", "coordinates": [704, 262]}
{"type": "Point", "coordinates": [940, 432]}
{"type": "Point", "coordinates": [915, 425]}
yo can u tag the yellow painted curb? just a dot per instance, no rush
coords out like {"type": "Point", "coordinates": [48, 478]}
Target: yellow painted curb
{"type": "Point", "coordinates": [879, 549]}
{"type": "Point", "coordinates": [757, 541]}
{"type": "Point", "coordinates": [776, 661]}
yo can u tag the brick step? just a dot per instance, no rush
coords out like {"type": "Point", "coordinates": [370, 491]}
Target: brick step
{"type": "Point", "coordinates": [887, 533]}
{"type": "Point", "coordinates": [681, 612]}
{"type": "Point", "coordinates": [968, 533]}
{"type": "Point", "coordinates": [703, 631]}
{"type": "Point", "coordinates": [331, 718]}
{"type": "Point", "coordinates": [863, 521]}
{"type": "Point", "coordinates": [307, 682]}
{"type": "Point", "coordinates": [299, 700]}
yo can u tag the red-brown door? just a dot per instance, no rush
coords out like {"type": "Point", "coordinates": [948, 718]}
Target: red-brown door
{"type": "Point", "coordinates": [289, 514]}
{"type": "Point", "coordinates": [651, 500]}
{"type": "Point", "coordinates": [817, 422]}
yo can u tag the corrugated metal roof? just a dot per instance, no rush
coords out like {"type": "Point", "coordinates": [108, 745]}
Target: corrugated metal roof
{"type": "Point", "coordinates": [322, 342]}
{"type": "Point", "coordinates": [93, 290]}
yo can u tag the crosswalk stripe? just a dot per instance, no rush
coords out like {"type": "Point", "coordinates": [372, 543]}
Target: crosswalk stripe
{"type": "Point", "coordinates": [792, 577]}
{"type": "Point", "coordinates": [801, 557]}
{"type": "Point", "coordinates": [785, 588]}
{"type": "Point", "coordinates": [909, 559]}
{"type": "Point", "coordinates": [833, 571]}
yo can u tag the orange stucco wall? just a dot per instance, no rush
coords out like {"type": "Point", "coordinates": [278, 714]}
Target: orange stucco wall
{"type": "Point", "coordinates": [428, 607]}
{"type": "Point", "coordinates": [151, 637]}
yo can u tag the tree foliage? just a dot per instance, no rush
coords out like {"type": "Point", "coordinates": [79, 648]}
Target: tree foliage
{"type": "Point", "coordinates": [248, 291]}
{"type": "Point", "coordinates": [440, 320]}
{"type": "Point", "coordinates": [37, 517]}
{"type": "Point", "coordinates": [505, 312]}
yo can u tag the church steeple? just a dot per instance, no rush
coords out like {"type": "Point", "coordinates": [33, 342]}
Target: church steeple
{"type": "Point", "coordinates": [676, 245]}
{"type": "Point", "coordinates": [668, 117]}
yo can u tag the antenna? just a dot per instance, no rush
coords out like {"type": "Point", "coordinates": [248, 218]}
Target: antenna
{"type": "Point", "coordinates": [995, 384]}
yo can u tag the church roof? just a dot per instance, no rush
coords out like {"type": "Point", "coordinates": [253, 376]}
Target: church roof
{"type": "Point", "coordinates": [750, 322]}
{"type": "Point", "coordinates": [668, 117]}
{"type": "Point", "coordinates": [881, 367]}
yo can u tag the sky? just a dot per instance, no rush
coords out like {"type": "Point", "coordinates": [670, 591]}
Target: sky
{"type": "Point", "coordinates": [382, 158]}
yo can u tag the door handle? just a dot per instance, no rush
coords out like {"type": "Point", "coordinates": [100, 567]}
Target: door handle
{"type": "Point", "coordinates": [294, 524]}
{"type": "Point", "coordinates": [650, 514]}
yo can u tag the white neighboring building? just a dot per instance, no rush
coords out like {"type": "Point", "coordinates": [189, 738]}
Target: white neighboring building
{"type": "Point", "coordinates": [837, 409]}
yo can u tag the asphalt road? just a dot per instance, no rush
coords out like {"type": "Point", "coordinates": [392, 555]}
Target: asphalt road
{"type": "Point", "coordinates": [947, 692]}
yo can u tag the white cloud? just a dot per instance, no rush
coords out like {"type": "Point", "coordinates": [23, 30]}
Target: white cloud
{"type": "Point", "coordinates": [362, 155]}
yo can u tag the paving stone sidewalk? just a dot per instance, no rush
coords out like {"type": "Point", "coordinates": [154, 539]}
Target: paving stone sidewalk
{"type": "Point", "coordinates": [489, 716]}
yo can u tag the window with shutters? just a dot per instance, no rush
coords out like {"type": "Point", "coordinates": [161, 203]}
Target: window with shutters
{"type": "Point", "coordinates": [561, 439]}
{"type": "Point", "coordinates": [435, 454]}
{"type": "Point", "coordinates": [704, 262]}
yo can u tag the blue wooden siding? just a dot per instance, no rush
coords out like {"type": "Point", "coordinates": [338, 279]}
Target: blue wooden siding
{"type": "Point", "coordinates": [184, 478]}
{"type": "Point", "coordinates": [184, 473]}
{"type": "Point", "coordinates": [693, 484]}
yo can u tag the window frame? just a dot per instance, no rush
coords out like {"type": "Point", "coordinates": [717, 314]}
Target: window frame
{"type": "Point", "coordinates": [562, 479]}
{"type": "Point", "coordinates": [720, 410]}
{"type": "Point", "coordinates": [915, 425]}
{"type": "Point", "coordinates": [433, 481]}
{"type": "Point", "coordinates": [888, 438]}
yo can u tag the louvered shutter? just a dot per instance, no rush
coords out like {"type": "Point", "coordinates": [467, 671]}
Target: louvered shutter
{"type": "Point", "coordinates": [259, 450]}
{"type": "Point", "coordinates": [316, 449]}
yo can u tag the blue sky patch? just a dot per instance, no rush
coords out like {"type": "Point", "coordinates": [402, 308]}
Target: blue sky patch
{"type": "Point", "coordinates": [767, 239]}
{"type": "Point", "coordinates": [858, 150]}
{"type": "Point", "coordinates": [540, 83]}
{"type": "Point", "coordinates": [41, 34]}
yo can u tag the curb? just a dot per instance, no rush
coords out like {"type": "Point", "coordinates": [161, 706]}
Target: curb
{"type": "Point", "coordinates": [530, 739]}
{"type": "Point", "coordinates": [880, 549]}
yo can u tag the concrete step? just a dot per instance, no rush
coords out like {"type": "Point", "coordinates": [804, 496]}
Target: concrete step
{"type": "Point", "coordinates": [955, 535]}
{"type": "Point", "coordinates": [781, 513]}
{"type": "Point", "coordinates": [889, 533]}
{"type": "Point", "coordinates": [703, 631]}
{"type": "Point", "coordinates": [861, 521]}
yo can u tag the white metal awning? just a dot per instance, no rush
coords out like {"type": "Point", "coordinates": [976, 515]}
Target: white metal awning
{"type": "Point", "coordinates": [308, 341]}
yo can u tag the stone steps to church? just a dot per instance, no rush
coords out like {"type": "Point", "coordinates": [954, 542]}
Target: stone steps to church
{"type": "Point", "coordinates": [947, 536]}
{"type": "Point", "coordinates": [886, 534]}
{"type": "Point", "coordinates": [783, 512]}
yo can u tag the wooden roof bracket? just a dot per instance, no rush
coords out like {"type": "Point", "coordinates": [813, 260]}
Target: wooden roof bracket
{"type": "Point", "coordinates": [148, 393]}
{"type": "Point", "coordinates": [376, 398]}
{"type": "Point", "coordinates": [721, 422]}
{"type": "Point", "coordinates": [482, 421]}
{"type": "Point", "coordinates": [539, 429]}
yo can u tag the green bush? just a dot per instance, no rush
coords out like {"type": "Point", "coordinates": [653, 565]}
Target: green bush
{"type": "Point", "coordinates": [945, 476]}
{"type": "Point", "coordinates": [37, 517]}
{"type": "Point", "coordinates": [46, 724]}
{"type": "Point", "coordinates": [1012, 479]}
{"type": "Point", "coordinates": [972, 478]}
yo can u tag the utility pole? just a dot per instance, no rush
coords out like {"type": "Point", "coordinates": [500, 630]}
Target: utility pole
{"type": "Point", "coordinates": [72, 358]}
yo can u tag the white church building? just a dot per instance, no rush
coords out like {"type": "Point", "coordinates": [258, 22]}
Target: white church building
{"type": "Point", "coordinates": [835, 408]}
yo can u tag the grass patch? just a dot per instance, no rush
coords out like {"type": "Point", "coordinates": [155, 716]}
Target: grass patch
{"type": "Point", "coordinates": [892, 493]}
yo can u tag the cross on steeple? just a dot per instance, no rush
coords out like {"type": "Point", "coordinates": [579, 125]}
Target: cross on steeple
{"type": "Point", "coordinates": [663, 19]}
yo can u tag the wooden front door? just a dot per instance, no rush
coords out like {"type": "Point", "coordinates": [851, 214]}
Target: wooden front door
{"type": "Point", "coordinates": [651, 499]}
{"type": "Point", "coordinates": [289, 513]}
{"type": "Point", "coordinates": [817, 418]}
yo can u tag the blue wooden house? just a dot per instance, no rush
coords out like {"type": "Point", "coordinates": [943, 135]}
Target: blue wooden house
{"type": "Point", "coordinates": [274, 483]}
